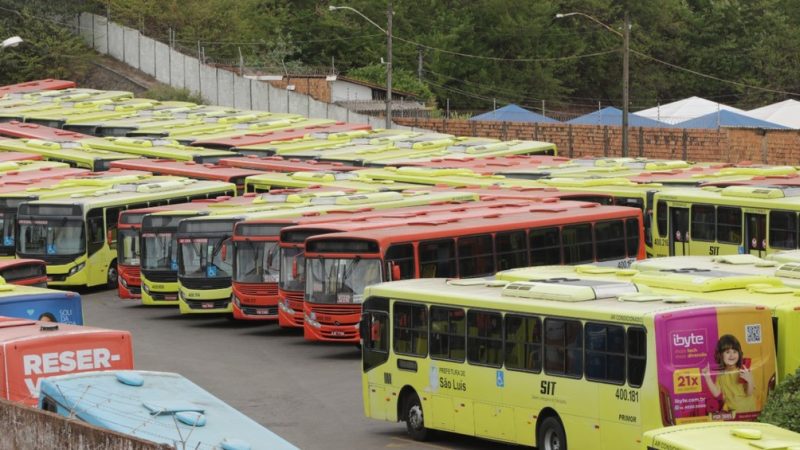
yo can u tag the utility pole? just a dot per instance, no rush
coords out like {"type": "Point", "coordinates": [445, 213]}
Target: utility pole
{"type": "Point", "coordinates": [419, 63]}
{"type": "Point", "coordinates": [625, 53]}
{"type": "Point", "coordinates": [389, 14]}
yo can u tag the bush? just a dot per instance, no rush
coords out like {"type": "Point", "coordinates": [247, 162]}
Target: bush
{"type": "Point", "coordinates": [168, 93]}
{"type": "Point", "coordinates": [783, 407]}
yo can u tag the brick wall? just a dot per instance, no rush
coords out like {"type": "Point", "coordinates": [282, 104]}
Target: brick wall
{"type": "Point", "coordinates": [726, 144]}
{"type": "Point", "coordinates": [24, 428]}
{"type": "Point", "coordinates": [317, 87]}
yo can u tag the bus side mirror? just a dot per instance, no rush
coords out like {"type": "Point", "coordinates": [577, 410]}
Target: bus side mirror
{"type": "Point", "coordinates": [395, 271]}
{"type": "Point", "coordinates": [110, 236]}
{"type": "Point", "coordinates": [295, 272]}
{"type": "Point", "coordinates": [363, 326]}
{"type": "Point", "coordinates": [224, 252]}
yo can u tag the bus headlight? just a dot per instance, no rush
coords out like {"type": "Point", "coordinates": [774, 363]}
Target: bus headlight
{"type": "Point", "coordinates": [123, 282]}
{"type": "Point", "coordinates": [235, 300]}
{"type": "Point", "coordinates": [312, 315]}
{"type": "Point", "coordinates": [311, 321]}
{"type": "Point", "coordinates": [145, 288]}
{"type": "Point", "coordinates": [76, 269]}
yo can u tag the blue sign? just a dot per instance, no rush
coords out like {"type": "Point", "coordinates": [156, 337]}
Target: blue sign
{"type": "Point", "coordinates": [8, 240]}
{"type": "Point", "coordinates": [211, 270]}
{"type": "Point", "coordinates": [51, 249]}
{"type": "Point", "coordinates": [173, 265]}
{"type": "Point", "coordinates": [501, 382]}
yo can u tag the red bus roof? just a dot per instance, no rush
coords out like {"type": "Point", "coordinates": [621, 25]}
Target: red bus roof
{"type": "Point", "coordinates": [6, 263]}
{"type": "Point", "coordinates": [490, 164]}
{"type": "Point", "coordinates": [531, 193]}
{"type": "Point", "coordinates": [280, 164]}
{"type": "Point", "coordinates": [674, 175]}
{"type": "Point", "coordinates": [36, 85]}
{"type": "Point", "coordinates": [187, 169]}
{"type": "Point", "coordinates": [540, 215]}
{"type": "Point", "coordinates": [19, 129]}
{"type": "Point", "coordinates": [278, 135]}
{"type": "Point", "coordinates": [18, 156]}
{"type": "Point", "coordinates": [16, 181]}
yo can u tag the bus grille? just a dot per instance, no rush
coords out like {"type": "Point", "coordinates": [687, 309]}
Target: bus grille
{"type": "Point", "coordinates": [258, 289]}
{"type": "Point", "coordinates": [295, 300]}
{"type": "Point", "coordinates": [206, 283]}
{"type": "Point", "coordinates": [162, 277]}
{"type": "Point", "coordinates": [208, 304]}
{"type": "Point", "coordinates": [52, 260]}
{"type": "Point", "coordinates": [337, 311]}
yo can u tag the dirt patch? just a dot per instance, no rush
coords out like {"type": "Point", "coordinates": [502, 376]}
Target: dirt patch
{"type": "Point", "coordinates": [109, 74]}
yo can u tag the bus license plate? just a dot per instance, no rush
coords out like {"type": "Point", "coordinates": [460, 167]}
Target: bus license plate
{"type": "Point", "coordinates": [337, 333]}
{"type": "Point", "coordinates": [170, 297]}
{"type": "Point", "coordinates": [207, 305]}
{"type": "Point", "coordinates": [262, 311]}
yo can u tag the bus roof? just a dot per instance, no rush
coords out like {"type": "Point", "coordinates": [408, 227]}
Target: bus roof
{"type": "Point", "coordinates": [279, 164]}
{"type": "Point", "coordinates": [158, 148]}
{"type": "Point", "coordinates": [788, 272]}
{"type": "Point", "coordinates": [549, 214]}
{"type": "Point", "coordinates": [788, 180]}
{"type": "Point", "coordinates": [36, 85]}
{"type": "Point", "coordinates": [469, 147]}
{"type": "Point", "coordinates": [144, 190]}
{"type": "Point", "coordinates": [277, 135]}
{"type": "Point", "coordinates": [158, 406]}
{"type": "Point", "coordinates": [727, 435]}
{"type": "Point", "coordinates": [63, 150]}
{"type": "Point", "coordinates": [275, 122]}
{"type": "Point", "coordinates": [448, 177]}
{"type": "Point", "coordinates": [187, 169]}
{"type": "Point", "coordinates": [349, 180]}
{"type": "Point", "coordinates": [771, 196]}
{"type": "Point", "coordinates": [488, 164]}
{"type": "Point", "coordinates": [713, 175]}
{"type": "Point", "coordinates": [599, 300]}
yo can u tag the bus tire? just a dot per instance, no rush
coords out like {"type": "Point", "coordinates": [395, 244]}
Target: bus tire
{"type": "Point", "coordinates": [112, 276]}
{"type": "Point", "coordinates": [415, 420]}
{"type": "Point", "coordinates": [551, 435]}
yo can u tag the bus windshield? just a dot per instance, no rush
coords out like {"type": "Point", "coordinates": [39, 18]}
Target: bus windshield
{"type": "Point", "coordinates": [256, 262]}
{"type": "Point", "coordinates": [128, 240]}
{"type": "Point", "coordinates": [341, 280]}
{"type": "Point", "coordinates": [206, 257]}
{"type": "Point", "coordinates": [292, 277]}
{"type": "Point", "coordinates": [159, 252]}
{"type": "Point", "coordinates": [7, 220]}
{"type": "Point", "coordinates": [52, 237]}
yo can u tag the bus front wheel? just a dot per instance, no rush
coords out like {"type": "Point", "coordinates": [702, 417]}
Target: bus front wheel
{"type": "Point", "coordinates": [415, 420]}
{"type": "Point", "coordinates": [113, 275]}
{"type": "Point", "coordinates": [551, 435]}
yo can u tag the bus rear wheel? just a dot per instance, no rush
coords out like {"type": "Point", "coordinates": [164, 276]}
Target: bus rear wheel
{"type": "Point", "coordinates": [551, 435]}
{"type": "Point", "coordinates": [415, 420]}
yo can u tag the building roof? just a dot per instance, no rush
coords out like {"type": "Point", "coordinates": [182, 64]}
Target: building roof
{"type": "Point", "coordinates": [513, 113]}
{"type": "Point", "coordinates": [613, 116]}
{"type": "Point", "coordinates": [683, 110]}
{"type": "Point", "coordinates": [728, 119]}
{"type": "Point", "coordinates": [786, 113]}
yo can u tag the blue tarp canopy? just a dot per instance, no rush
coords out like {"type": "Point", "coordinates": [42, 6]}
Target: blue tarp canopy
{"type": "Point", "coordinates": [613, 117]}
{"type": "Point", "coordinates": [513, 113]}
{"type": "Point", "coordinates": [723, 118]}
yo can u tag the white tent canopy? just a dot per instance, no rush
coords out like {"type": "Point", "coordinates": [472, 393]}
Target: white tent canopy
{"type": "Point", "coordinates": [786, 113]}
{"type": "Point", "coordinates": [685, 109]}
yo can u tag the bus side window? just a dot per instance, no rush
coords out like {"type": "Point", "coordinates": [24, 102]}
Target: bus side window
{"type": "Point", "coordinates": [403, 256]}
{"type": "Point", "coordinates": [112, 218]}
{"type": "Point", "coordinates": [729, 225]}
{"type": "Point", "coordinates": [637, 355]}
{"type": "Point", "coordinates": [545, 245]}
{"type": "Point", "coordinates": [96, 236]}
{"type": "Point", "coordinates": [661, 218]}
{"type": "Point", "coordinates": [437, 258]}
{"type": "Point", "coordinates": [512, 250]}
{"type": "Point", "coordinates": [704, 221]}
{"type": "Point", "coordinates": [605, 353]}
{"type": "Point", "coordinates": [447, 333]}
{"type": "Point", "coordinates": [410, 329]}
{"type": "Point", "coordinates": [475, 256]}
{"type": "Point", "coordinates": [609, 240]}
{"type": "Point", "coordinates": [376, 340]}
{"type": "Point", "coordinates": [523, 339]}
{"type": "Point", "coordinates": [563, 347]}
{"type": "Point", "coordinates": [578, 246]}
{"type": "Point", "coordinates": [485, 338]}
{"type": "Point", "coordinates": [783, 229]}
{"type": "Point", "coordinates": [632, 237]}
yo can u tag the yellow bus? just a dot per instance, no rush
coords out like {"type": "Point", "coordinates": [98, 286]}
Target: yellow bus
{"type": "Point", "coordinates": [786, 270]}
{"type": "Point", "coordinates": [77, 236]}
{"type": "Point", "coordinates": [557, 365]}
{"type": "Point", "coordinates": [711, 285]}
{"type": "Point", "coordinates": [159, 149]}
{"type": "Point", "coordinates": [339, 180]}
{"type": "Point", "coordinates": [75, 154]}
{"type": "Point", "coordinates": [727, 436]}
{"type": "Point", "coordinates": [724, 221]}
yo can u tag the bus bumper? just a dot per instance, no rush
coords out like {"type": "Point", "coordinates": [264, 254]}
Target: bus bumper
{"type": "Point", "coordinates": [246, 308]}
{"type": "Point", "coordinates": [344, 332]}
{"type": "Point", "coordinates": [211, 301]}
{"type": "Point", "coordinates": [71, 274]}
{"type": "Point", "coordinates": [154, 294]}
{"type": "Point", "coordinates": [288, 317]}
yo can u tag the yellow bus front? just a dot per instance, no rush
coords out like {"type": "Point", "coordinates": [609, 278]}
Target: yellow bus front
{"type": "Point", "coordinates": [205, 265]}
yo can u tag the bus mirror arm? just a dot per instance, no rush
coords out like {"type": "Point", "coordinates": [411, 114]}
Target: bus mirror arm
{"type": "Point", "coordinates": [363, 326]}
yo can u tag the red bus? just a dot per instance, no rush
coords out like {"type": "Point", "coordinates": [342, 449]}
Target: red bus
{"type": "Point", "coordinates": [189, 169]}
{"type": "Point", "coordinates": [27, 272]}
{"type": "Point", "coordinates": [280, 164]}
{"type": "Point", "coordinates": [770, 180]}
{"type": "Point", "coordinates": [491, 164]}
{"type": "Point", "coordinates": [36, 85]}
{"type": "Point", "coordinates": [227, 143]}
{"type": "Point", "coordinates": [340, 265]}
{"type": "Point", "coordinates": [17, 129]}
{"type": "Point", "coordinates": [258, 281]}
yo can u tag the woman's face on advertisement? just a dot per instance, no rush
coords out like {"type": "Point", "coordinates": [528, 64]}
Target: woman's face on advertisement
{"type": "Point", "coordinates": [730, 357]}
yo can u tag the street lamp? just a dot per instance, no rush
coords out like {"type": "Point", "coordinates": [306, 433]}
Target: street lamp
{"type": "Point", "coordinates": [13, 41]}
{"type": "Point", "coordinates": [388, 33]}
{"type": "Point", "coordinates": [625, 35]}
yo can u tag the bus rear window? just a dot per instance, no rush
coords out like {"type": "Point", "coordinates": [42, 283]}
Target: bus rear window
{"type": "Point", "coordinates": [23, 272]}
{"type": "Point", "coordinates": [610, 240]}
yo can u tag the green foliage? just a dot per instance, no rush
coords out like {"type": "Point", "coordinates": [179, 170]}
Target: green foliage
{"type": "Point", "coordinates": [783, 407]}
{"type": "Point", "coordinates": [49, 50]}
{"type": "Point", "coordinates": [402, 80]}
{"type": "Point", "coordinates": [169, 93]}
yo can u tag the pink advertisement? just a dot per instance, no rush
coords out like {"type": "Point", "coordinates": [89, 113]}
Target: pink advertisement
{"type": "Point", "coordinates": [713, 364]}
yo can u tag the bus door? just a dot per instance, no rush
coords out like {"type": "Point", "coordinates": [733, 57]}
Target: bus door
{"type": "Point", "coordinates": [755, 234]}
{"type": "Point", "coordinates": [374, 330]}
{"type": "Point", "coordinates": [679, 231]}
